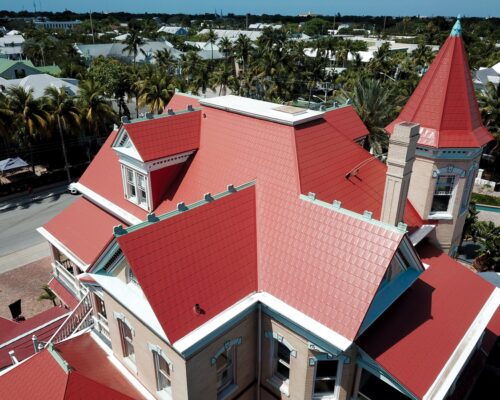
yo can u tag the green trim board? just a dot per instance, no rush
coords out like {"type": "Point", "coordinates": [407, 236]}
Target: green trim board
{"type": "Point", "coordinates": [58, 358]}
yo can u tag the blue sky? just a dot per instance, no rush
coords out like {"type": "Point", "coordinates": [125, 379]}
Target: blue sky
{"type": "Point", "coordinates": [480, 8]}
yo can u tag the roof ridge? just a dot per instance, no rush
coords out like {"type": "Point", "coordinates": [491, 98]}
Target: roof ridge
{"type": "Point", "coordinates": [181, 208]}
{"type": "Point", "coordinates": [336, 206]}
{"type": "Point", "coordinates": [448, 87]}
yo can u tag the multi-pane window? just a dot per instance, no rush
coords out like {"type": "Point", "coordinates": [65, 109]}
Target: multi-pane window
{"type": "Point", "coordinates": [281, 360]}
{"type": "Point", "coordinates": [443, 193]}
{"type": "Point", "coordinates": [162, 369]}
{"type": "Point", "coordinates": [136, 187]}
{"type": "Point", "coordinates": [126, 339]}
{"type": "Point", "coordinates": [325, 378]}
{"type": "Point", "coordinates": [225, 369]}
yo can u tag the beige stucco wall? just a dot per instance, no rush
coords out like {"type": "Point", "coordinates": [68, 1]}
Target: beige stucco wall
{"type": "Point", "coordinates": [144, 366]}
{"type": "Point", "coordinates": [448, 232]}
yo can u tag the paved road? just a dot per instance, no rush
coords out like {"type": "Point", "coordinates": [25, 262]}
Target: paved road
{"type": "Point", "coordinates": [18, 225]}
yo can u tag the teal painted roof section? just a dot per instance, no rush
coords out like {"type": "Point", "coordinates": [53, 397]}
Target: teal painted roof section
{"type": "Point", "coordinates": [457, 28]}
{"type": "Point", "coordinates": [51, 69]}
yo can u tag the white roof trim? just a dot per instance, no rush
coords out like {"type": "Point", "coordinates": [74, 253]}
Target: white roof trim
{"type": "Point", "coordinates": [276, 305]}
{"type": "Point", "coordinates": [420, 234]}
{"type": "Point", "coordinates": [2, 345]}
{"type": "Point", "coordinates": [119, 366]}
{"type": "Point", "coordinates": [260, 109]}
{"type": "Point", "coordinates": [133, 300]}
{"type": "Point", "coordinates": [461, 354]}
{"type": "Point", "coordinates": [109, 206]}
{"type": "Point", "coordinates": [61, 247]}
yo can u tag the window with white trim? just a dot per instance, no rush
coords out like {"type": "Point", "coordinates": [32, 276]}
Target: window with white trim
{"type": "Point", "coordinates": [325, 379]}
{"type": "Point", "coordinates": [226, 370]}
{"type": "Point", "coordinates": [135, 187]}
{"type": "Point", "coordinates": [443, 193]}
{"type": "Point", "coordinates": [162, 372]}
{"type": "Point", "coordinates": [126, 340]}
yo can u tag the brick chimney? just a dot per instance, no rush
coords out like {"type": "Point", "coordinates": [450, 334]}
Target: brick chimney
{"type": "Point", "coordinates": [402, 146]}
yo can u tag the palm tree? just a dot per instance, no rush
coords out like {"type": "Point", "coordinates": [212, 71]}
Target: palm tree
{"type": "Point", "coordinates": [156, 92]}
{"type": "Point", "coordinates": [212, 39]}
{"type": "Point", "coordinates": [6, 117]}
{"type": "Point", "coordinates": [62, 110]}
{"type": "Point", "coordinates": [242, 48]}
{"type": "Point", "coordinates": [165, 59]}
{"type": "Point", "coordinates": [489, 104]}
{"type": "Point", "coordinates": [370, 98]}
{"type": "Point", "coordinates": [225, 47]}
{"type": "Point", "coordinates": [133, 42]}
{"type": "Point", "coordinates": [48, 294]}
{"type": "Point", "coordinates": [95, 111]}
{"type": "Point", "coordinates": [29, 116]}
{"type": "Point", "coordinates": [222, 78]}
{"type": "Point", "coordinates": [489, 246]}
{"type": "Point", "coordinates": [422, 56]}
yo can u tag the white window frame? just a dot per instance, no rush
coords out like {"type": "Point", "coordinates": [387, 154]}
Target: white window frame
{"type": "Point", "coordinates": [276, 380]}
{"type": "Point", "coordinates": [136, 177]}
{"type": "Point", "coordinates": [448, 213]}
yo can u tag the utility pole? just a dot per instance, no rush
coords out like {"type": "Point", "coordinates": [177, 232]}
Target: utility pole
{"type": "Point", "coordinates": [92, 27]}
{"type": "Point", "coordinates": [383, 30]}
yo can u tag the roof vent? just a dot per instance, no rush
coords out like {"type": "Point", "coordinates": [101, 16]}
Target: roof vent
{"type": "Point", "coordinates": [290, 110]}
{"type": "Point", "coordinates": [231, 188]}
{"type": "Point", "coordinates": [367, 215]}
{"type": "Point", "coordinates": [149, 115]}
{"type": "Point", "coordinates": [198, 310]}
{"type": "Point", "coordinates": [181, 206]}
{"type": "Point", "coordinates": [311, 196]}
{"type": "Point", "coordinates": [337, 204]}
{"type": "Point", "coordinates": [170, 111]}
{"type": "Point", "coordinates": [208, 197]}
{"type": "Point", "coordinates": [125, 119]}
{"type": "Point", "coordinates": [190, 107]}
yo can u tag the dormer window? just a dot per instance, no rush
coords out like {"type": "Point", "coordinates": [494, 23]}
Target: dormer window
{"type": "Point", "coordinates": [135, 187]}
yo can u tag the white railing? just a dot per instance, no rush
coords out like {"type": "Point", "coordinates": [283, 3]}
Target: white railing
{"type": "Point", "coordinates": [80, 318]}
{"type": "Point", "coordinates": [69, 280]}
{"type": "Point", "coordinates": [102, 325]}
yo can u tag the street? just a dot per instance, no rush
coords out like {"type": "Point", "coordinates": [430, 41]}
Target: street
{"type": "Point", "coordinates": [18, 228]}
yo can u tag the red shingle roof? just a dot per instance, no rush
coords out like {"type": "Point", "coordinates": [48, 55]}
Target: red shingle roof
{"type": "Point", "coordinates": [180, 101]}
{"type": "Point", "coordinates": [209, 258]}
{"type": "Point", "coordinates": [166, 135]}
{"type": "Point", "coordinates": [444, 102]}
{"type": "Point", "coordinates": [416, 336]}
{"type": "Point", "coordinates": [83, 228]}
{"type": "Point", "coordinates": [346, 121]}
{"type": "Point", "coordinates": [64, 294]}
{"type": "Point", "coordinates": [92, 375]}
{"type": "Point", "coordinates": [39, 324]}
{"type": "Point", "coordinates": [303, 249]}
{"type": "Point", "coordinates": [325, 157]}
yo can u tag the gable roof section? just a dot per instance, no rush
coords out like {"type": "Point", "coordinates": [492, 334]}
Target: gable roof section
{"type": "Point", "coordinates": [346, 121]}
{"type": "Point", "coordinates": [414, 339]}
{"type": "Point", "coordinates": [325, 157]}
{"type": "Point", "coordinates": [206, 255]}
{"type": "Point", "coordinates": [180, 101]}
{"type": "Point", "coordinates": [84, 229]}
{"type": "Point", "coordinates": [164, 136]}
{"type": "Point", "coordinates": [444, 102]}
{"type": "Point", "coordinates": [91, 375]}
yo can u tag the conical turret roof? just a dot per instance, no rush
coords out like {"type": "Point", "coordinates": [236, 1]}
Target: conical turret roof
{"type": "Point", "coordinates": [444, 102]}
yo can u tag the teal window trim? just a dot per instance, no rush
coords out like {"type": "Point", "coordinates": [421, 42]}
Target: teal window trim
{"type": "Point", "coordinates": [225, 347]}
{"type": "Point", "coordinates": [375, 369]}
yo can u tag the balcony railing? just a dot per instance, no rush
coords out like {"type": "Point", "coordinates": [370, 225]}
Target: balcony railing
{"type": "Point", "coordinates": [102, 325]}
{"type": "Point", "coordinates": [80, 318]}
{"type": "Point", "coordinates": [68, 279]}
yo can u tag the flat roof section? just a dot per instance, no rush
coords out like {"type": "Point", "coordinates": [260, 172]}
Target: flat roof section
{"type": "Point", "coordinates": [263, 110]}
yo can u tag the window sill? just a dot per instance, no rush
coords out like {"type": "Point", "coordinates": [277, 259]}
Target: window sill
{"type": "Point", "coordinates": [279, 384]}
{"type": "Point", "coordinates": [440, 215]}
{"type": "Point", "coordinates": [230, 390]}
{"type": "Point", "coordinates": [164, 394]}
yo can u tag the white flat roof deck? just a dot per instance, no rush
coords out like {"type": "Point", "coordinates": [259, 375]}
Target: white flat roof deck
{"type": "Point", "coordinates": [263, 110]}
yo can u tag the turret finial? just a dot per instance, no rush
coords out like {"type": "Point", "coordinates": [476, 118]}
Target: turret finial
{"type": "Point", "coordinates": [457, 28]}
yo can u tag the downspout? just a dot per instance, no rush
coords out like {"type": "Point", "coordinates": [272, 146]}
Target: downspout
{"type": "Point", "coordinates": [259, 356]}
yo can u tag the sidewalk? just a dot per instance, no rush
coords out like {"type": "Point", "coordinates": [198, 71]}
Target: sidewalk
{"type": "Point", "coordinates": [17, 200]}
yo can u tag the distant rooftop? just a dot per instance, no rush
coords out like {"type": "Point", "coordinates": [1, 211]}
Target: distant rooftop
{"type": "Point", "coordinates": [286, 115]}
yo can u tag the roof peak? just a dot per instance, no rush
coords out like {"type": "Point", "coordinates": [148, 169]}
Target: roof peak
{"type": "Point", "coordinates": [456, 31]}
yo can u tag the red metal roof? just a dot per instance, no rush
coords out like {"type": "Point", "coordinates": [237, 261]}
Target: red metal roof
{"type": "Point", "coordinates": [92, 375]}
{"type": "Point", "coordinates": [83, 228]}
{"type": "Point", "coordinates": [444, 102]}
{"type": "Point", "coordinates": [180, 101]}
{"type": "Point", "coordinates": [63, 294]}
{"type": "Point", "coordinates": [166, 135]}
{"type": "Point", "coordinates": [416, 336]}
{"type": "Point", "coordinates": [304, 250]}
{"type": "Point", "coordinates": [346, 121]}
{"type": "Point", "coordinates": [210, 259]}
{"type": "Point", "coordinates": [325, 157]}
{"type": "Point", "coordinates": [39, 324]}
